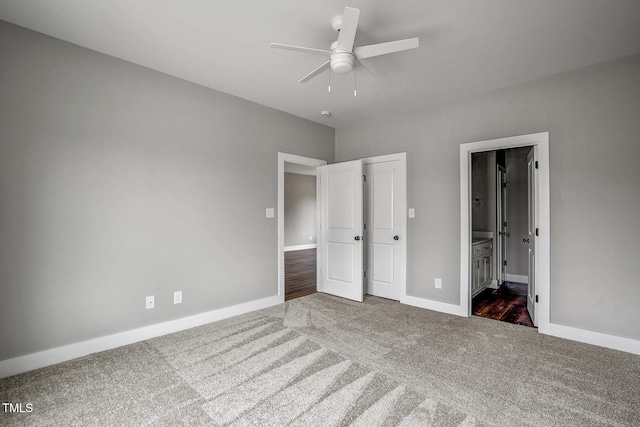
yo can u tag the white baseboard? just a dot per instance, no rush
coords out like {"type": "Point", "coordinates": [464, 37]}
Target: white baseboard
{"type": "Point", "coordinates": [493, 284]}
{"type": "Point", "coordinates": [589, 337]}
{"type": "Point", "coordinates": [300, 247]}
{"type": "Point", "coordinates": [44, 358]}
{"type": "Point", "coordinates": [442, 307]}
{"type": "Point", "coordinates": [21, 364]}
{"type": "Point", "coordinates": [517, 278]}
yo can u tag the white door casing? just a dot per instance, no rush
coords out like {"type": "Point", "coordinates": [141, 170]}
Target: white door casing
{"type": "Point", "coordinates": [501, 226]}
{"type": "Point", "coordinates": [384, 212]}
{"type": "Point", "coordinates": [531, 233]}
{"type": "Point", "coordinates": [284, 158]}
{"type": "Point", "coordinates": [542, 198]}
{"type": "Point", "coordinates": [340, 243]}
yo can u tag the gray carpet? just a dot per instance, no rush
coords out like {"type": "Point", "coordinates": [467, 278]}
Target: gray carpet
{"type": "Point", "coordinates": [325, 361]}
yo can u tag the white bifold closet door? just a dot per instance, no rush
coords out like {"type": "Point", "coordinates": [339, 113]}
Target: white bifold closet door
{"type": "Point", "coordinates": [384, 212]}
{"type": "Point", "coordinates": [340, 236]}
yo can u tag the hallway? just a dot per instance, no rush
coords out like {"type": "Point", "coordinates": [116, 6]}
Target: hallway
{"type": "Point", "coordinates": [299, 273]}
{"type": "Point", "coordinates": [507, 304]}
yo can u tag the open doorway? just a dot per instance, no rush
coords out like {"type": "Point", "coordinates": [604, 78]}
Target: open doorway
{"type": "Point", "coordinates": [499, 237]}
{"type": "Point", "coordinates": [299, 230]}
{"type": "Point", "coordinates": [297, 225]}
{"type": "Point", "coordinates": [537, 239]}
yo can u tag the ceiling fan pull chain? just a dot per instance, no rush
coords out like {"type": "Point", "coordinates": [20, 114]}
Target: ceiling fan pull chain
{"type": "Point", "coordinates": [355, 80]}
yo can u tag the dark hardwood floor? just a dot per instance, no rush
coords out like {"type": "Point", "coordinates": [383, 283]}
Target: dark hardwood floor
{"type": "Point", "coordinates": [299, 273]}
{"type": "Point", "coordinates": [507, 304]}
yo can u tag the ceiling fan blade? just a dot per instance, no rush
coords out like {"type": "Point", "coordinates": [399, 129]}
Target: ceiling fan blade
{"type": "Point", "coordinates": [301, 49]}
{"type": "Point", "coordinates": [363, 65]}
{"type": "Point", "coordinates": [385, 48]}
{"type": "Point", "coordinates": [348, 29]}
{"type": "Point", "coordinates": [315, 72]}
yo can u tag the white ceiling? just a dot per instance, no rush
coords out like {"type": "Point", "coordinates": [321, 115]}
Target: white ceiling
{"type": "Point", "coordinates": [466, 46]}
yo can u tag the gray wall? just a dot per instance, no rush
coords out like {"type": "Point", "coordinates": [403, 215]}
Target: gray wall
{"type": "Point", "coordinates": [517, 215]}
{"type": "Point", "coordinates": [299, 209]}
{"type": "Point", "coordinates": [592, 115]}
{"type": "Point", "coordinates": [118, 182]}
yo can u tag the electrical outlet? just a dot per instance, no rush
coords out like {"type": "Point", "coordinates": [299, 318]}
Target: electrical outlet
{"type": "Point", "coordinates": [151, 302]}
{"type": "Point", "coordinates": [412, 213]}
{"type": "Point", "coordinates": [177, 297]}
{"type": "Point", "coordinates": [269, 212]}
{"type": "Point", "coordinates": [438, 283]}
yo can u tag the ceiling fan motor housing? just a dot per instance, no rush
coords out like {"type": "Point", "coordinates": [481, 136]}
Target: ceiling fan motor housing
{"type": "Point", "coordinates": [336, 22]}
{"type": "Point", "coordinates": [342, 62]}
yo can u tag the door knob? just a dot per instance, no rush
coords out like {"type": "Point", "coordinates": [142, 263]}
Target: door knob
{"type": "Point", "coordinates": [357, 238]}
{"type": "Point", "coordinates": [525, 240]}
{"type": "Point", "coordinates": [396, 237]}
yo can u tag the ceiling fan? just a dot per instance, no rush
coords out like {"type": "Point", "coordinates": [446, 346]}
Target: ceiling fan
{"type": "Point", "coordinates": [342, 54]}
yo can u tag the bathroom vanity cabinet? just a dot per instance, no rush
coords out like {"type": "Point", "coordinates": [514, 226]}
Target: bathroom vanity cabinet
{"type": "Point", "coordinates": [481, 264]}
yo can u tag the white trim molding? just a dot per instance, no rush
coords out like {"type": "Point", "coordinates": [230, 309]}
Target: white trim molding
{"type": "Point", "coordinates": [442, 307]}
{"type": "Point", "coordinates": [517, 278]}
{"type": "Point", "coordinates": [589, 337]}
{"type": "Point", "coordinates": [32, 361]}
{"type": "Point", "coordinates": [300, 247]}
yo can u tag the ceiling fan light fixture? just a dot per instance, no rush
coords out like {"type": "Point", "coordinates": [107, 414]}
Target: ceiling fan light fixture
{"type": "Point", "coordinates": [342, 62]}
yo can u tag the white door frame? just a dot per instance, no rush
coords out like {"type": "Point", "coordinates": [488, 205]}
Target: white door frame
{"type": "Point", "coordinates": [543, 244]}
{"type": "Point", "coordinates": [288, 158]}
{"type": "Point", "coordinates": [532, 222]}
{"type": "Point", "coordinates": [402, 202]}
{"type": "Point", "coordinates": [501, 240]}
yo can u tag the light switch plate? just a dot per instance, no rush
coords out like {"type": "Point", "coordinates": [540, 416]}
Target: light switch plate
{"type": "Point", "coordinates": [177, 297]}
{"type": "Point", "coordinates": [270, 212]}
{"type": "Point", "coordinates": [412, 213]}
{"type": "Point", "coordinates": [151, 302]}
